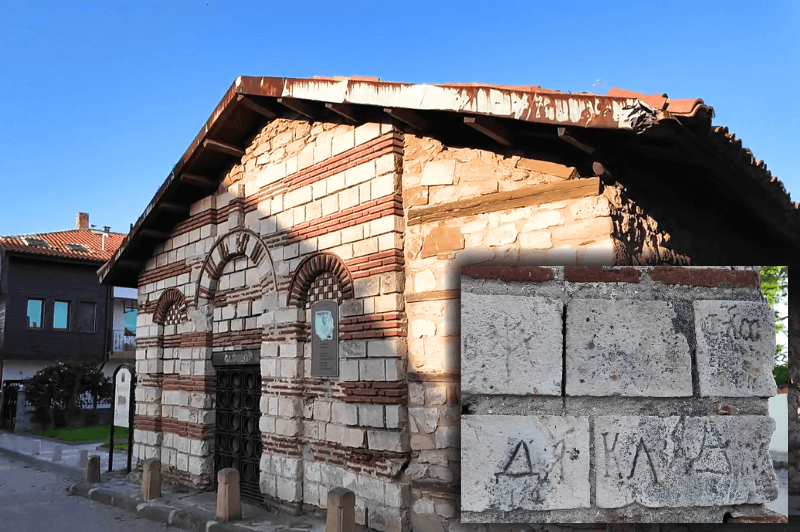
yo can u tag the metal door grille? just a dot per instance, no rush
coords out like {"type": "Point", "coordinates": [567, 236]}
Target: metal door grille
{"type": "Point", "coordinates": [238, 440]}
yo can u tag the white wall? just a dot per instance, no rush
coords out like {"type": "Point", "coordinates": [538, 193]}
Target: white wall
{"type": "Point", "coordinates": [779, 410]}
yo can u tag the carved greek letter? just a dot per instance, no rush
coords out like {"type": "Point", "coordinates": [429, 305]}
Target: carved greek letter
{"type": "Point", "coordinates": [609, 452]}
{"type": "Point", "coordinates": [639, 447]}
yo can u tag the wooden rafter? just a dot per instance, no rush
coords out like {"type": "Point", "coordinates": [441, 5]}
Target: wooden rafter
{"type": "Point", "coordinates": [489, 127]}
{"type": "Point", "coordinates": [346, 111]}
{"type": "Point", "coordinates": [408, 117]}
{"type": "Point", "coordinates": [253, 106]}
{"type": "Point", "coordinates": [300, 106]}
{"type": "Point", "coordinates": [227, 149]}
{"type": "Point", "coordinates": [198, 180]}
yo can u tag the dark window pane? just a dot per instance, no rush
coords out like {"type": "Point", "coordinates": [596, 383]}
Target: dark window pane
{"type": "Point", "coordinates": [35, 307]}
{"type": "Point", "coordinates": [61, 315]}
{"type": "Point", "coordinates": [86, 316]}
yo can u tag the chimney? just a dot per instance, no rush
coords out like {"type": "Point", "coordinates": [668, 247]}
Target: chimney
{"type": "Point", "coordinates": [83, 221]}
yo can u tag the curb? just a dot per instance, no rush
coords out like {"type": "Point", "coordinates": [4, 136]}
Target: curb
{"type": "Point", "coordinates": [192, 520]}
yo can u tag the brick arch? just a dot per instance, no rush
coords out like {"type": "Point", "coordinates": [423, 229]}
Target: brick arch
{"type": "Point", "coordinates": [237, 243]}
{"type": "Point", "coordinates": [310, 268]}
{"type": "Point", "coordinates": [170, 298]}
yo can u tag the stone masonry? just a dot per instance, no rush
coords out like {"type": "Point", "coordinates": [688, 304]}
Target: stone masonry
{"type": "Point", "coordinates": [661, 406]}
{"type": "Point", "coordinates": [381, 222]}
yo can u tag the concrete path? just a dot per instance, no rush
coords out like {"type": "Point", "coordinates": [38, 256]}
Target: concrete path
{"type": "Point", "coordinates": [178, 507]}
{"type": "Point", "coordinates": [33, 500]}
{"type": "Point", "coordinates": [45, 449]}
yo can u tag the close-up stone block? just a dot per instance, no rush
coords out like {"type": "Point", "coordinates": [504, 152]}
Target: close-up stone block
{"type": "Point", "coordinates": [735, 348]}
{"type": "Point", "coordinates": [524, 462]}
{"type": "Point", "coordinates": [511, 344]}
{"type": "Point", "coordinates": [683, 461]}
{"type": "Point", "coordinates": [625, 347]}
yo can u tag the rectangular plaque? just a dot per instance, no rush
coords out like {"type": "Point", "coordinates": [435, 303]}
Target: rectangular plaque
{"type": "Point", "coordinates": [235, 358]}
{"type": "Point", "coordinates": [325, 339]}
{"type": "Point", "coordinates": [122, 399]}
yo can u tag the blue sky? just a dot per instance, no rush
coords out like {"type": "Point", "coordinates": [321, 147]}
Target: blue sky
{"type": "Point", "coordinates": [99, 100]}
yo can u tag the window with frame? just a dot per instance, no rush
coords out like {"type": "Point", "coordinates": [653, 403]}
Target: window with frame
{"type": "Point", "coordinates": [87, 314]}
{"type": "Point", "coordinates": [61, 315]}
{"type": "Point", "coordinates": [35, 311]}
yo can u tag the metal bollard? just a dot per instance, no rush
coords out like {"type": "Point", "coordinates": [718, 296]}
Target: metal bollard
{"type": "Point", "coordinates": [93, 469]}
{"type": "Point", "coordinates": [83, 456]}
{"type": "Point", "coordinates": [229, 501]}
{"type": "Point", "coordinates": [57, 452]}
{"type": "Point", "coordinates": [151, 479]}
{"type": "Point", "coordinates": [341, 511]}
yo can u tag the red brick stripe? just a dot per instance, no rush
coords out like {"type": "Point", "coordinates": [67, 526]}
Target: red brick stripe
{"type": "Point", "coordinates": [388, 143]}
{"type": "Point", "coordinates": [385, 261]}
{"type": "Point", "coordinates": [534, 274]}
{"type": "Point", "coordinates": [189, 383]}
{"type": "Point", "coordinates": [194, 431]}
{"type": "Point", "coordinates": [595, 274]}
{"type": "Point", "coordinates": [163, 272]}
{"type": "Point", "coordinates": [391, 393]}
{"type": "Point", "coordinates": [385, 206]}
{"type": "Point", "coordinates": [709, 278]}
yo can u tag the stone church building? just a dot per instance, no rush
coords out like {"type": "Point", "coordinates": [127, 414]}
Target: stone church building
{"type": "Point", "coordinates": [374, 194]}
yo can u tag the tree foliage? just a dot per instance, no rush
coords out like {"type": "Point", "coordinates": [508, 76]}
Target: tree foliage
{"type": "Point", "coordinates": [55, 389]}
{"type": "Point", "coordinates": [775, 285]}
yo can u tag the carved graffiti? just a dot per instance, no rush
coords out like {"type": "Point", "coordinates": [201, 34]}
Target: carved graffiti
{"type": "Point", "coordinates": [550, 472]}
{"type": "Point", "coordinates": [681, 460]}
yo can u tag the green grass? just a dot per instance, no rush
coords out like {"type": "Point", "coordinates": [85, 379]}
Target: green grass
{"type": "Point", "coordinates": [95, 433]}
{"type": "Point", "coordinates": [120, 446]}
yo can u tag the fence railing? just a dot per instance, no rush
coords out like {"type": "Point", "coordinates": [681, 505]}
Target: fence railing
{"type": "Point", "coordinates": [123, 341]}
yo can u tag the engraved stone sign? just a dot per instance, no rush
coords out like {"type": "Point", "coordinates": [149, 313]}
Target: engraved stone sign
{"type": "Point", "coordinates": [626, 348]}
{"type": "Point", "coordinates": [511, 344]}
{"type": "Point", "coordinates": [735, 348]}
{"type": "Point", "coordinates": [235, 358]}
{"type": "Point", "coordinates": [683, 461]}
{"type": "Point", "coordinates": [325, 339]}
{"type": "Point", "coordinates": [524, 462]}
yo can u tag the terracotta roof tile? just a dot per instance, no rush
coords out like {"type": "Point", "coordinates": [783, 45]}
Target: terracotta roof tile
{"type": "Point", "coordinates": [57, 244]}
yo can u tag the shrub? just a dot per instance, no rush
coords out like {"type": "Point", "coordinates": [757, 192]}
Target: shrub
{"type": "Point", "coordinates": [55, 389]}
{"type": "Point", "coordinates": [781, 374]}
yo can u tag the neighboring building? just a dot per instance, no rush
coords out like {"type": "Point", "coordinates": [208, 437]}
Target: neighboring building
{"type": "Point", "coordinates": [52, 306]}
{"type": "Point", "coordinates": [373, 194]}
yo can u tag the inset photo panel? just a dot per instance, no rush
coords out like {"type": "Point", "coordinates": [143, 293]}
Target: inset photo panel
{"type": "Point", "coordinates": [623, 394]}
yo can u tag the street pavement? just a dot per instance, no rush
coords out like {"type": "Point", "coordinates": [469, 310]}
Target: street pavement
{"type": "Point", "coordinates": [117, 495]}
{"type": "Point", "coordinates": [35, 500]}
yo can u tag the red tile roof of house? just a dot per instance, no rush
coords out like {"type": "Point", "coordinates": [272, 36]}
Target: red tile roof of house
{"type": "Point", "coordinates": [57, 244]}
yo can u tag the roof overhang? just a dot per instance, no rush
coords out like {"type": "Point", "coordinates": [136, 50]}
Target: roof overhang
{"type": "Point", "coordinates": [562, 126]}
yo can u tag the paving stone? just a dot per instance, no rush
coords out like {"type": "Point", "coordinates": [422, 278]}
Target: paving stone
{"type": "Point", "coordinates": [524, 462]}
{"type": "Point", "coordinates": [511, 344]}
{"type": "Point", "coordinates": [735, 348]}
{"type": "Point", "coordinates": [630, 348]}
{"type": "Point", "coordinates": [683, 461]}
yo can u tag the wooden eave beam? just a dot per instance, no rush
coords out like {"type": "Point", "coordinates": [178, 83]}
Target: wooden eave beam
{"type": "Point", "coordinates": [154, 233]}
{"type": "Point", "coordinates": [227, 149]}
{"type": "Point", "coordinates": [408, 117]}
{"type": "Point", "coordinates": [490, 128]}
{"type": "Point", "coordinates": [512, 199]}
{"type": "Point", "coordinates": [569, 137]}
{"type": "Point", "coordinates": [299, 106]}
{"type": "Point", "coordinates": [253, 106]}
{"type": "Point", "coordinates": [346, 111]}
{"type": "Point", "coordinates": [129, 264]}
{"type": "Point", "coordinates": [173, 207]}
{"type": "Point", "coordinates": [198, 180]}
